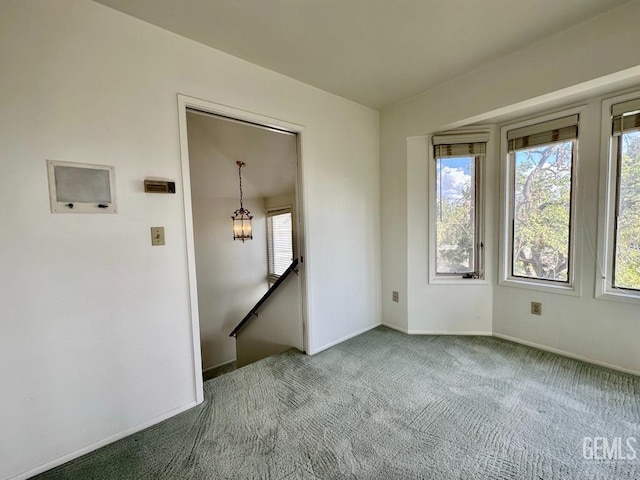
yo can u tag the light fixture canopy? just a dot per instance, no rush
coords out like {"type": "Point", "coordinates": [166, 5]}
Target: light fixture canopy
{"type": "Point", "coordinates": [241, 217]}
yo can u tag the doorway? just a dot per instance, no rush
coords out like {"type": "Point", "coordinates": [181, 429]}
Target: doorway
{"type": "Point", "coordinates": [227, 277]}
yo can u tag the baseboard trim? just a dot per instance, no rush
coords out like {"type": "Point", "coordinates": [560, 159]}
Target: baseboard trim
{"type": "Point", "coordinates": [450, 332]}
{"type": "Point", "coordinates": [566, 354]}
{"type": "Point", "coordinates": [205, 370]}
{"type": "Point", "coordinates": [516, 340]}
{"type": "Point", "coordinates": [436, 332]}
{"type": "Point", "coordinates": [340, 340]}
{"type": "Point", "coordinates": [101, 443]}
{"type": "Point", "coordinates": [395, 327]}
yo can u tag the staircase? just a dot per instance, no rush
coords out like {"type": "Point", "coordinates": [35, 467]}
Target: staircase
{"type": "Point", "coordinates": [274, 324]}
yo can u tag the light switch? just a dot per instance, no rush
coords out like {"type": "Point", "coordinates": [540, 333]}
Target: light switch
{"type": "Point", "coordinates": [157, 236]}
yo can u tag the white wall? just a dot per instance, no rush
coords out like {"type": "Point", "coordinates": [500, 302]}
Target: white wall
{"type": "Point", "coordinates": [593, 55]}
{"type": "Point", "coordinates": [95, 335]}
{"type": "Point", "coordinates": [438, 308]}
{"type": "Point", "coordinates": [231, 275]}
{"type": "Point", "coordinates": [284, 200]}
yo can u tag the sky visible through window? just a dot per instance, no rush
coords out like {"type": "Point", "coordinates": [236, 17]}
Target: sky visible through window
{"type": "Point", "coordinates": [455, 209]}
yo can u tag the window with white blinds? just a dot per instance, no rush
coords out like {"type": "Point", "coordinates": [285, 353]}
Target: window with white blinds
{"type": "Point", "coordinates": [279, 242]}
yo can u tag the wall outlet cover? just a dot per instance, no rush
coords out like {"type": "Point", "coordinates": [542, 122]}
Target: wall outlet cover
{"type": "Point", "coordinates": [536, 308]}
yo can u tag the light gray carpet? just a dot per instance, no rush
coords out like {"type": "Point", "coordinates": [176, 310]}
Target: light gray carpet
{"type": "Point", "coordinates": [385, 405]}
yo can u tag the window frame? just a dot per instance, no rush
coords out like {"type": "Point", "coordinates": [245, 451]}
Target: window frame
{"type": "Point", "coordinates": [271, 212]}
{"type": "Point", "coordinates": [479, 212]}
{"type": "Point", "coordinates": [609, 184]}
{"type": "Point", "coordinates": [507, 204]}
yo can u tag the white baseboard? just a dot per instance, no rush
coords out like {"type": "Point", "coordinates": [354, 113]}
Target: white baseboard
{"type": "Point", "coordinates": [395, 327]}
{"type": "Point", "coordinates": [565, 354]}
{"type": "Point", "coordinates": [516, 340]}
{"type": "Point", "coordinates": [205, 370]}
{"type": "Point", "coordinates": [102, 443]}
{"type": "Point", "coordinates": [450, 332]}
{"type": "Point", "coordinates": [340, 340]}
{"type": "Point", "coordinates": [436, 332]}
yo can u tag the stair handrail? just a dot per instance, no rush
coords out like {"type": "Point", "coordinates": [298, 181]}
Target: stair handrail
{"type": "Point", "coordinates": [252, 312]}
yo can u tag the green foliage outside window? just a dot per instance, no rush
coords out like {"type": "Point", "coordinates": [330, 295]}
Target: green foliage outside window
{"type": "Point", "coordinates": [627, 245]}
{"type": "Point", "coordinates": [542, 210]}
{"type": "Point", "coordinates": [455, 210]}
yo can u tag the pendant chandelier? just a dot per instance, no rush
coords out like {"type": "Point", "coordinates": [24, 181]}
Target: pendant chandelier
{"type": "Point", "coordinates": [241, 217]}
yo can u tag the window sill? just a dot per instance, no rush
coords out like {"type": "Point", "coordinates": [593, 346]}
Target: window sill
{"type": "Point", "coordinates": [619, 296]}
{"type": "Point", "coordinates": [457, 281]}
{"type": "Point", "coordinates": [541, 286]}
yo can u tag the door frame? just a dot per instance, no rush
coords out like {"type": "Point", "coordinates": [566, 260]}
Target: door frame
{"type": "Point", "coordinates": [186, 102]}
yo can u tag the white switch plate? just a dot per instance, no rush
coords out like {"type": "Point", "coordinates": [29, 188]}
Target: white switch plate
{"type": "Point", "coordinates": [157, 236]}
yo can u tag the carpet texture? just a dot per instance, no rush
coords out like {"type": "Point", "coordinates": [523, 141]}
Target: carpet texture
{"type": "Point", "coordinates": [385, 405]}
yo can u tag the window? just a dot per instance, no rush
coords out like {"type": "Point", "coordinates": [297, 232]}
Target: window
{"type": "Point", "coordinates": [541, 166]}
{"type": "Point", "coordinates": [622, 275]}
{"type": "Point", "coordinates": [457, 205]}
{"type": "Point", "coordinates": [279, 242]}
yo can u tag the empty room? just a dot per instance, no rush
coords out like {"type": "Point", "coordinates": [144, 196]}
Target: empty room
{"type": "Point", "coordinates": [311, 239]}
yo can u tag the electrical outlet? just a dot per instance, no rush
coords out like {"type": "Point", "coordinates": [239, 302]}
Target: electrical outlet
{"type": "Point", "coordinates": [536, 308]}
{"type": "Point", "coordinates": [157, 236]}
{"type": "Point", "coordinates": [395, 296]}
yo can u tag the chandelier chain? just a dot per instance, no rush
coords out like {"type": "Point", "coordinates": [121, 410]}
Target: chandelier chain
{"type": "Point", "coordinates": [240, 177]}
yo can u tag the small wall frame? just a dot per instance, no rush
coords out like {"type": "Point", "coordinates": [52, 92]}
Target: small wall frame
{"type": "Point", "coordinates": [81, 188]}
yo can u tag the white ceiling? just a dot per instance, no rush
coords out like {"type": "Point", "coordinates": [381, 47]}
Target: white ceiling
{"type": "Point", "coordinates": [216, 144]}
{"type": "Point", "coordinates": [375, 52]}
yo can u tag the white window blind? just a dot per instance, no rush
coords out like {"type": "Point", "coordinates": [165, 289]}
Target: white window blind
{"type": "Point", "coordinates": [279, 241]}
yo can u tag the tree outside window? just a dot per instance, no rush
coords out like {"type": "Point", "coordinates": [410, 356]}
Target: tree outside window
{"type": "Point", "coordinates": [627, 225]}
{"type": "Point", "coordinates": [542, 211]}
